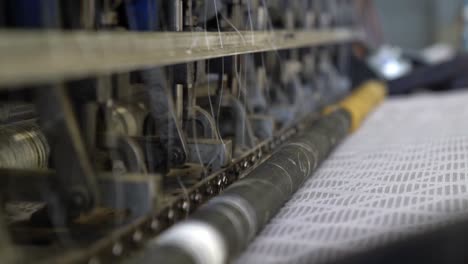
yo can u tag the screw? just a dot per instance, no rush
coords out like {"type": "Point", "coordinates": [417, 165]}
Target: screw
{"type": "Point", "coordinates": [184, 205]}
{"type": "Point", "coordinates": [154, 224]}
{"type": "Point", "coordinates": [170, 214]}
{"type": "Point", "coordinates": [225, 179]}
{"type": "Point", "coordinates": [196, 197]}
{"type": "Point", "coordinates": [79, 200]}
{"type": "Point", "coordinates": [177, 156]}
{"type": "Point", "coordinates": [117, 249]}
{"type": "Point", "coordinates": [209, 190]}
{"type": "Point", "coordinates": [137, 236]}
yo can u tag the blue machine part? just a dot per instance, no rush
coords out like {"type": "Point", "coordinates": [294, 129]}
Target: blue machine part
{"type": "Point", "coordinates": [34, 13]}
{"type": "Point", "coordinates": [142, 15]}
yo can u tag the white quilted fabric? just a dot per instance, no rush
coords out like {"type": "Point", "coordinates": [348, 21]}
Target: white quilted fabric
{"type": "Point", "coordinates": [404, 171]}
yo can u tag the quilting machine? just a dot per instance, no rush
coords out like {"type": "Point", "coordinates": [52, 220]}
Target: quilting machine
{"type": "Point", "coordinates": [122, 118]}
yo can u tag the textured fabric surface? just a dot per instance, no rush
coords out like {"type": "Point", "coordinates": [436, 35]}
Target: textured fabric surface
{"type": "Point", "coordinates": [403, 172]}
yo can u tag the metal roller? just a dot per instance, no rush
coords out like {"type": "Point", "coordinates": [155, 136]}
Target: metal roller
{"type": "Point", "coordinates": [23, 146]}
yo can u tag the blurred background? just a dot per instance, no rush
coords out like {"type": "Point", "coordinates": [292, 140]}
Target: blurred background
{"type": "Point", "coordinates": [417, 24]}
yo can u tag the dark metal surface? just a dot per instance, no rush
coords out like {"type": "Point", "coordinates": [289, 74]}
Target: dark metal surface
{"type": "Point", "coordinates": [137, 193]}
{"type": "Point", "coordinates": [213, 154]}
{"type": "Point", "coordinates": [163, 113]}
{"type": "Point", "coordinates": [76, 175]}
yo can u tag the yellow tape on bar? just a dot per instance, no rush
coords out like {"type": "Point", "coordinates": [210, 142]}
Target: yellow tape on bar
{"type": "Point", "coordinates": [361, 102]}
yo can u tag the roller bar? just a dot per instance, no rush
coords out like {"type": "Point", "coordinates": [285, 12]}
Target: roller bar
{"type": "Point", "coordinates": [33, 57]}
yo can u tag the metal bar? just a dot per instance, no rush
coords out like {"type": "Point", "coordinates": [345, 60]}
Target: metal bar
{"type": "Point", "coordinates": [74, 169]}
{"type": "Point", "coordinates": [32, 57]}
{"type": "Point", "coordinates": [179, 102]}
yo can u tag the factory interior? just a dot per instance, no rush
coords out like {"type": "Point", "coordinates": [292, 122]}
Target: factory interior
{"type": "Point", "coordinates": [233, 131]}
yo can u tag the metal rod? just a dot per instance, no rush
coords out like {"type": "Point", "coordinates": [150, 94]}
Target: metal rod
{"type": "Point", "coordinates": [179, 102]}
{"type": "Point", "coordinates": [177, 18]}
{"type": "Point", "coordinates": [33, 57]}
